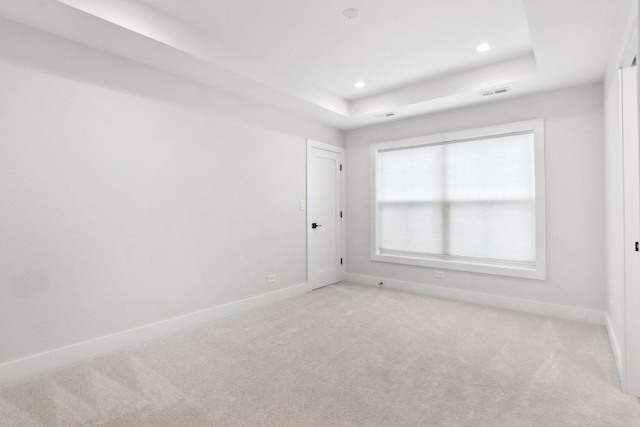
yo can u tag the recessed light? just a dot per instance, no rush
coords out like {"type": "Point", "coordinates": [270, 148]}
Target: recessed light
{"type": "Point", "coordinates": [483, 47]}
{"type": "Point", "coordinates": [350, 13]}
{"type": "Point", "coordinates": [360, 85]}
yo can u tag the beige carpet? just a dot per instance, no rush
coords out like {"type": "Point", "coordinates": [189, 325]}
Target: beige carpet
{"type": "Point", "coordinates": [344, 355]}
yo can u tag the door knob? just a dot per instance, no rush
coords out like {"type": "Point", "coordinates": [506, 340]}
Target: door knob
{"type": "Point", "coordinates": [314, 225]}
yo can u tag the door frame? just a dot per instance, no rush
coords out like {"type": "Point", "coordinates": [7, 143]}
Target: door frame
{"type": "Point", "coordinates": [630, 377]}
{"type": "Point", "coordinates": [312, 144]}
{"type": "Point", "coordinates": [628, 369]}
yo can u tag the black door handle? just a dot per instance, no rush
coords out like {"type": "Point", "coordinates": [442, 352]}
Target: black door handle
{"type": "Point", "coordinates": [314, 225]}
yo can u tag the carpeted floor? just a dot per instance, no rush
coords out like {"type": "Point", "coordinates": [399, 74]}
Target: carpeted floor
{"type": "Point", "coordinates": [344, 355]}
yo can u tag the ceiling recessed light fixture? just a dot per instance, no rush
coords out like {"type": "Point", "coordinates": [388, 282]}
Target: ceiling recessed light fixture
{"type": "Point", "coordinates": [360, 85]}
{"type": "Point", "coordinates": [483, 47]}
{"type": "Point", "coordinates": [350, 13]}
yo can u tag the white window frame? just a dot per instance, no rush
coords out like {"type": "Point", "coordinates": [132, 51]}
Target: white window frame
{"type": "Point", "coordinates": [539, 272]}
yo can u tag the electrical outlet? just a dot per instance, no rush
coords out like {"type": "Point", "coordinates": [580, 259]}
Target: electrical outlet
{"type": "Point", "coordinates": [438, 274]}
{"type": "Point", "coordinates": [271, 278]}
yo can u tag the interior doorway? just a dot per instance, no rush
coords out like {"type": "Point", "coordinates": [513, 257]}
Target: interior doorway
{"type": "Point", "coordinates": [325, 214]}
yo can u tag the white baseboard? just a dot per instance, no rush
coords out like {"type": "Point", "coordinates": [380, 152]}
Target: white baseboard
{"type": "Point", "coordinates": [617, 351]}
{"type": "Point", "coordinates": [20, 369]}
{"type": "Point", "coordinates": [527, 306]}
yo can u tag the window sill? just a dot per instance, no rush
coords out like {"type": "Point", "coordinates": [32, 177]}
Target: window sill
{"type": "Point", "coordinates": [538, 273]}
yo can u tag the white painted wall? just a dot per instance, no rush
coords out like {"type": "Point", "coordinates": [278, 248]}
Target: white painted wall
{"type": "Point", "coordinates": [129, 196]}
{"type": "Point", "coordinates": [613, 190]}
{"type": "Point", "coordinates": [575, 212]}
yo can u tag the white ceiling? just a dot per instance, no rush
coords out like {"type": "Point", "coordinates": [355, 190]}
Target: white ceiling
{"type": "Point", "coordinates": [416, 56]}
{"type": "Point", "coordinates": [390, 43]}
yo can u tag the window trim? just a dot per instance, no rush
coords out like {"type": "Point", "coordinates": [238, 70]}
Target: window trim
{"type": "Point", "coordinates": [540, 270]}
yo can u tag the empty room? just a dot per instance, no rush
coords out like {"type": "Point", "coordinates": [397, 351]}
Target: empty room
{"type": "Point", "coordinates": [319, 213]}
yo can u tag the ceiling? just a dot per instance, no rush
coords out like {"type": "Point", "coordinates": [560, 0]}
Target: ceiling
{"type": "Point", "coordinates": [415, 56]}
{"type": "Point", "coordinates": [389, 44]}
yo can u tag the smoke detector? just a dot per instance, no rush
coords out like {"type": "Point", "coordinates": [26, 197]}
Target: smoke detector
{"type": "Point", "coordinates": [350, 13]}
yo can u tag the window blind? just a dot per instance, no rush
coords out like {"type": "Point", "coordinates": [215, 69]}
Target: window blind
{"type": "Point", "coordinates": [470, 200]}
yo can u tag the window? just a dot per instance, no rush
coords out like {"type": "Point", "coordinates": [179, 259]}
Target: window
{"type": "Point", "coordinates": [471, 201]}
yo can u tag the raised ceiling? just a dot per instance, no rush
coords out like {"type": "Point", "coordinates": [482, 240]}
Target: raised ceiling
{"type": "Point", "coordinates": [416, 56]}
{"type": "Point", "coordinates": [389, 45]}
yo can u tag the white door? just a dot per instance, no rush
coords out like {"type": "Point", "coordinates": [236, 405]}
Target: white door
{"type": "Point", "coordinates": [324, 214]}
{"type": "Point", "coordinates": [631, 152]}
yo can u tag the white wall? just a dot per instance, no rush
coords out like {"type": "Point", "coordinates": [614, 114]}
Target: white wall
{"type": "Point", "coordinates": [575, 213]}
{"type": "Point", "coordinates": [129, 196]}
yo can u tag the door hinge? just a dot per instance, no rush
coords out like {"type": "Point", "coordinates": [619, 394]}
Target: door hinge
{"type": "Point", "coordinates": [340, 261]}
{"type": "Point", "coordinates": [636, 246]}
{"type": "Point", "coordinates": [340, 214]}
{"type": "Point", "coordinates": [340, 167]}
